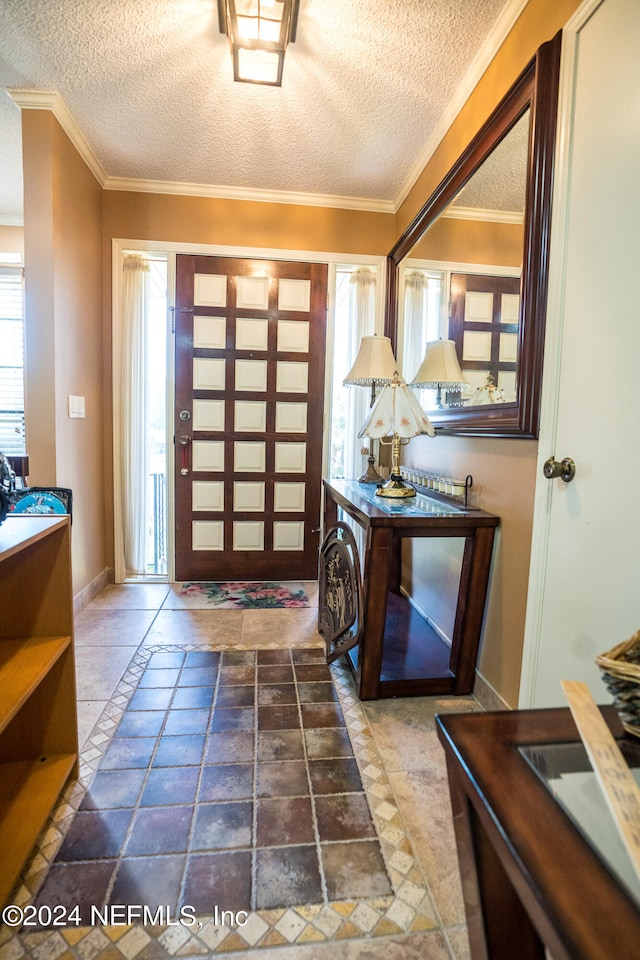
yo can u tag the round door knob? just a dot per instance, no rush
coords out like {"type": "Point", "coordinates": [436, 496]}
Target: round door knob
{"type": "Point", "coordinates": [565, 469]}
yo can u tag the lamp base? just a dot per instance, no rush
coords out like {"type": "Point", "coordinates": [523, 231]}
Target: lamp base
{"type": "Point", "coordinates": [371, 475]}
{"type": "Point", "coordinates": [396, 487]}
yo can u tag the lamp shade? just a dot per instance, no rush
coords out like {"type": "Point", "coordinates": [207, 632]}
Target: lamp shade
{"type": "Point", "coordinates": [375, 363]}
{"type": "Point", "coordinates": [397, 412]}
{"type": "Point", "coordinates": [440, 366]}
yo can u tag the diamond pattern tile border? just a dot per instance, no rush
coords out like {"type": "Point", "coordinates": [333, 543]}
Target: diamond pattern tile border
{"type": "Point", "coordinates": [410, 909]}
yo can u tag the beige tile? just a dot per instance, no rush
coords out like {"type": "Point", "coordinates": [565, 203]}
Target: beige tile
{"type": "Point", "coordinates": [98, 627]}
{"type": "Point", "coordinates": [89, 712]}
{"type": "Point", "coordinates": [196, 626]}
{"type": "Point", "coordinates": [99, 669]}
{"type": "Point", "coordinates": [286, 628]}
{"type": "Point", "coordinates": [459, 942]}
{"type": "Point", "coordinates": [410, 946]}
{"type": "Point", "coordinates": [405, 730]}
{"type": "Point", "coordinates": [423, 800]}
{"type": "Point", "coordinates": [131, 596]}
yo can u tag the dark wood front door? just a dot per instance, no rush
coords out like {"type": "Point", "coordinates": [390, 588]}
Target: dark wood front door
{"type": "Point", "coordinates": [250, 348]}
{"type": "Point", "coordinates": [483, 322]}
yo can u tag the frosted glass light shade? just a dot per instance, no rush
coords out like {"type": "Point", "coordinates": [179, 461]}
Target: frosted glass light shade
{"type": "Point", "coordinates": [397, 412]}
{"type": "Point", "coordinates": [440, 366]}
{"type": "Point", "coordinates": [375, 363]}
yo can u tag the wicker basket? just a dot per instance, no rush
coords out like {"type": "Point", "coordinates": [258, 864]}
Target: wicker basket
{"type": "Point", "coordinates": [621, 673]}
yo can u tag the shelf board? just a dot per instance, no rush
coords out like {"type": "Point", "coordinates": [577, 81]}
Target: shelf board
{"type": "Point", "coordinates": [23, 665]}
{"type": "Point", "coordinates": [28, 791]}
{"type": "Point", "coordinates": [23, 530]}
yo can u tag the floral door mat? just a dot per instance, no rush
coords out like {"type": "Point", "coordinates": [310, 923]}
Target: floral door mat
{"type": "Point", "coordinates": [245, 595]}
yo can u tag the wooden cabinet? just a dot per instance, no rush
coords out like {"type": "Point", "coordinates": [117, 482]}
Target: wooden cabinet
{"type": "Point", "coordinates": [38, 726]}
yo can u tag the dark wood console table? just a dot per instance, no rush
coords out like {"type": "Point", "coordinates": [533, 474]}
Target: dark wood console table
{"type": "Point", "coordinates": [531, 876]}
{"type": "Point", "coordinates": [399, 653]}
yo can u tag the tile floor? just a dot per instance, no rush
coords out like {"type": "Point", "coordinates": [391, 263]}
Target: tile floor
{"type": "Point", "coordinates": [398, 757]}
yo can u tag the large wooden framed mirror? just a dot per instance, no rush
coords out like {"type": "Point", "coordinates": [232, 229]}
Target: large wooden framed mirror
{"type": "Point", "coordinates": [486, 226]}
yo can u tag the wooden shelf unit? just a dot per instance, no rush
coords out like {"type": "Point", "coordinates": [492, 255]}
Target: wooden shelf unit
{"type": "Point", "coordinates": [38, 723]}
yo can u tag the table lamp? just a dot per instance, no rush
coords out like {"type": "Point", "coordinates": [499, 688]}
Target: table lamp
{"type": "Point", "coordinates": [440, 368]}
{"type": "Point", "coordinates": [375, 364]}
{"type": "Point", "coordinates": [396, 413]}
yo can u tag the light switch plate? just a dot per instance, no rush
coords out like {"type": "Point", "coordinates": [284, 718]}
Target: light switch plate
{"type": "Point", "coordinates": [76, 408]}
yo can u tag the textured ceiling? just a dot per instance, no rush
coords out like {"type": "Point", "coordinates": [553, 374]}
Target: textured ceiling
{"type": "Point", "coordinates": [149, 83]}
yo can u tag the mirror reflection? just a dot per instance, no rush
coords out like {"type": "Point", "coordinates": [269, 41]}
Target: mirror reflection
{"type": "Point", "coordinates": [460, 282]}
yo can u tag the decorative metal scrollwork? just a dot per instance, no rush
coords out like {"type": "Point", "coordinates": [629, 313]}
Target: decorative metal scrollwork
{"type": "Point", "coordinates": [340, 618]}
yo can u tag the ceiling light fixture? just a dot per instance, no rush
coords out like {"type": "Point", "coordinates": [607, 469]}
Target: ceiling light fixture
{"type": "Point", "coordinates": [258, 32]}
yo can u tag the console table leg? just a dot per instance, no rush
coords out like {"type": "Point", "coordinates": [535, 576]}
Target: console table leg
{"type": "Point", "coordinates": [376, 585]}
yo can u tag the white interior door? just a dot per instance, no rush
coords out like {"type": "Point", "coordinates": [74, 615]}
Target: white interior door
{"type": "Point", "coordinates": [585, 573]}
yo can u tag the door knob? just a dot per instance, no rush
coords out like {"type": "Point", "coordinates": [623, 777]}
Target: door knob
{"type": "Point", "coordinates": [565, 469]}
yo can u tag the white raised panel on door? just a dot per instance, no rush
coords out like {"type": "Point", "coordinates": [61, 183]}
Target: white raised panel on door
{"type": "Point", "coordinates": [291, 417]}
{"type": "Point", "coordinates": [510, 308]}
{"type": "Point", "coordinates": [288, 497]}
{"type": "Point", "coordinates": [248, 535]}
{"type": "Point", "coordinates": [288, 535]}
{"type": "Point", "coordinates": [476, 346]}
{"type": "Point", "coordinates": [585, 557]}
{"type": "Point", "coordinates": [208, 415]}
{"type": "Point", "coordinates": [248, 495]}
{"type": "Point", "coordinates": [290, 457]}
{"type": "Point", "coordinates": [251, 375]}
{"type": "Point", "coordinates": [208, 373]}
{"type": "Point", "coordinates": [208, 456]}
{"type": "Point", "coordinates": [207, 534]}
{"type": "Point", "coordinates": [209, 290]}
{"type": "Point", "coordinates": [249, 456]}
{"type": "Point", "coordinates": [293, 336]}
{"type": "Point", "coordinates": [508, 352]}
{"type": "Point", "coordinates": [292, 377]}
{"type": "Point", "coordinates": [252, 334]}
{"type": "Point", "coordinates": [207, 495]}
{"type": "Point", "coordinates": [478, 307]}
{"type": "Point", "coordinates": [252, 293]}
{"type": "Point", "coordinates": [209, 333]}
{"type": "Point", "coordinates": [294, 295]}
{"type": "Point", "coordinates": [250, 416]}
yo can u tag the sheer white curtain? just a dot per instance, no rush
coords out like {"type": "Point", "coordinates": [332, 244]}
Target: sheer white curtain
{"type": "Point", "coordinates": [362, 323]}
{"type": "Point", "coordinates": [416, 286]}
{"type": "Point", "coordinates": [130, 403]}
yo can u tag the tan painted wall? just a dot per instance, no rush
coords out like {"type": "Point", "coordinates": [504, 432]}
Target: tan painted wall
{"type": "Point", "coordinates": [11, 239]}
{"type": "Point", "coordinates": [64, 321]}
{"type": "Point", "coordinates": [472, 241]}
{"type": "Point", "coordinates": [503, 469]}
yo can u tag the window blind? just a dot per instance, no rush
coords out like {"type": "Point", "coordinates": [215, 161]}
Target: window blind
{"type": "Point", "coordinates": [12, 434]}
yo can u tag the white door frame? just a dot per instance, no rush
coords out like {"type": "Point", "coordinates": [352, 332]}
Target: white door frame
{"type": "Point", "coordinates": [532, 647]}
{"type": "Point", "coordinates": [172, 249]}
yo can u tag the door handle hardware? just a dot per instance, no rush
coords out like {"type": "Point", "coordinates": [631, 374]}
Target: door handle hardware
{"type": "Point", "coordinates": [185, 441]}
{"type": "Point", "coordinates": [184, 415]}
{"type": "Point", "coordinates": [565, 469]}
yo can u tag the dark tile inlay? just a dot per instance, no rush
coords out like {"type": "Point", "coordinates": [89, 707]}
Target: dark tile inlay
{"type": "Point", "coordinates": [160, 830]}
{"type": "Point", "coordinates": [344, 817]}
{"type": "Point", "coordinates": [284, 821]}
{"type": "Point", "coordinates": [149, 881]}
{"type": "Point", "coordinates": [231, 781]}
{"type": "Point", "coordinates": [219, 878]}
{"type": "Point", "coordinates": [287, 876]}
{"type": "Point", "coordinates": [355, 870]}
{"type": "Point", "coordinates": [228, 781]}
{"type": "Point", "coordinates": [95, 835]}
{"type": "Point", "coordinates": [220, 826]}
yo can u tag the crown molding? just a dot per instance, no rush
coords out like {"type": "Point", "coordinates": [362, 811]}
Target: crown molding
{"type": "Point", "coordinates": [501, 29]}
{"type": "Point", "coordinates": [247, 193]}
{"type": "Point", "coordinates": [49, 100]}
{"type": "Point", "coordinates": [486, 215]}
